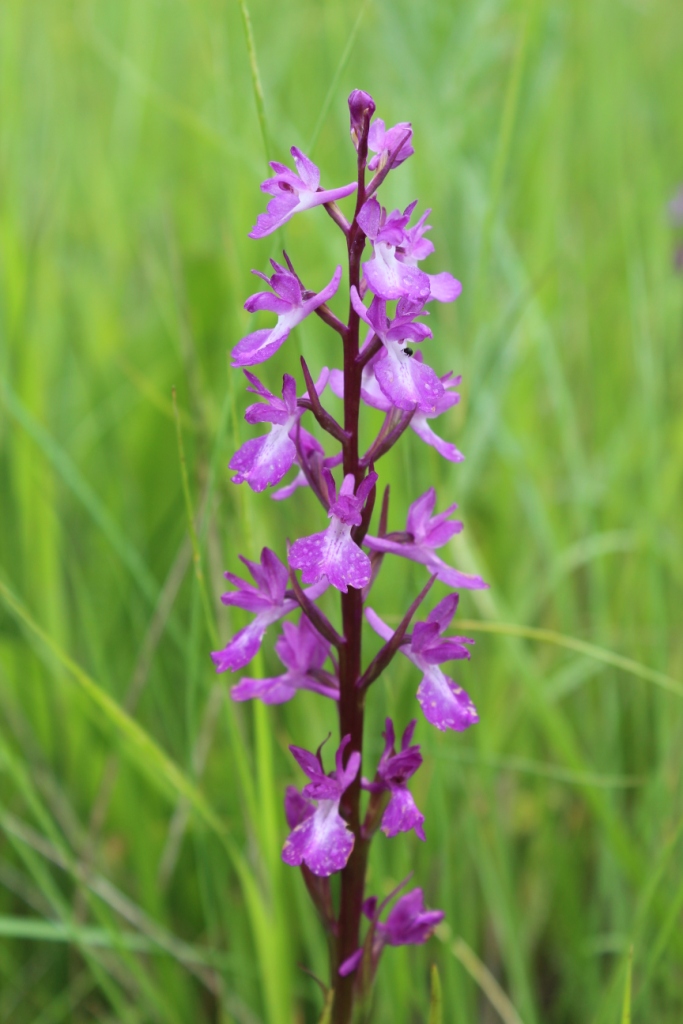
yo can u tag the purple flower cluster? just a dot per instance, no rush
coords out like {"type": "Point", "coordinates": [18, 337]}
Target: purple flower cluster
{"type": "Point", "coordinates": [334, 817]}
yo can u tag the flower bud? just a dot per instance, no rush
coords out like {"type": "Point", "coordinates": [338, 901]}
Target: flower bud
{"type": "Point", "coordinates": [361, 109]}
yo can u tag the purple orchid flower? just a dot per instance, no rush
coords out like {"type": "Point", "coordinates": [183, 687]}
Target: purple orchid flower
{"type": "Point", "coordinates": [267, 600]}
{"type": "Point", "coordinates": [373, 396]}
{"type": "Point", "coordinates": [303, 652]}
{"type": "Point", "coordinates": [443, 287]}
{"type": "Point", "coordinates": [263, 461]}
{"type": "Point", "coordinates": [419, 423]}
{"type": "Point", "coordinates": [386, 276]}
{"type": "Point", "coordinates": [290, 302]}
{"type": "Point", "coordinates": [321, 839]}
{"type": "Point", "coordinates": [393, 771]}
{"type": "Point", "coordinates": [444, 703]}
{"type": "Point", "coordinates": [406, 382]}
{"type": "Point", "coordinates": [424, 533]}
{"type": "Point", "coordinates": [293, 193]}
{"type": "Point", "coordinates": [408, 923]}
{"type": "Point", "coordinates": [382, 141]}
{"type": "Point", "coordinates": [333, 553]}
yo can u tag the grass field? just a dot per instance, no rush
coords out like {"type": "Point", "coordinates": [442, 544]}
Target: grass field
{"type": "Point", "coordinates": [140, 810]}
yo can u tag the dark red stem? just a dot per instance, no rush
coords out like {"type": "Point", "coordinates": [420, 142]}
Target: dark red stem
{"type": "Point", "coordinates": [351, 699]}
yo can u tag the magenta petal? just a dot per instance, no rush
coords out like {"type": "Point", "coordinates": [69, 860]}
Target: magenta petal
{"type": "Point", "coordinates": [267, 302]}
{"type": "Point", "coordinates": [278, 212]}
{"type": "Point", "coordinates": [241, 649]}
{"type": "Point", "coordinates": [453, 577]}
{"type": "Point", "coordinates": [332, 554]}
{"type": "Point", "coordinates": [259, 346]}
{"type": "Point", "coordinates": [406, 382]}
{"type": "Point", "coordinates": [409, 923]}
{"type": "Point", "coordinates": [351, 963]}
{"type": "Point", "coordinates": [439, 533]}
{"type": "Point", "coordinates": [402, 814]}
{"type": "Point", "coordinates": [288, 490]}
{"type": "Point", "coordinates": [306, 554]}
{"type": "Point", "coordinates": [263, 461]}
{"type": "Point", "coordinates": [261, 413]}
{"type": "Point", "coordinates": [443, 287]}
{"type": "Point", "coordinates": [445, 705]}
{"type": "Point", "coordinates": [420, 511]}
{"type": "Point", "coordinates": [297, 807]}
{"type": "Point", "coordinates": [369, 217]}
{"type": "Point", "coordinates": [442, 614]}
{"type": "Point", "coordinates": [421, 427]}
{"type": "Point", "coordinates": [275, 690]}
{"type": "Point", "coordinates": [337, 383]}
{"type": "Point", "coordinates": [451, 648]}
{"type": "Point", "coordinates": [307, 170]}
{"type": "Point", "coordinates": [380, 627]}
{"type": "Point", "coordinates": [323, 842]}
{"type": "Point", "coordinates": [390, 279]}
{"type": "Point", "coordinates": [308, 762]}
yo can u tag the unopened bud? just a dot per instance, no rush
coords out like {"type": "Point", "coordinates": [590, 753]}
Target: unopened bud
{"type": "Point", "coordinates": [361, 109]}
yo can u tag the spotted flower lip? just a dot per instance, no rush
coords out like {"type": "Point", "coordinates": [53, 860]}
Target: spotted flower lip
{"type": "Point", "coordinates": [266, 599]}
{"type": "Point", "coordinates": [424, 534]}
{"type": "Point", "coordinates": [333, 553]}
{"type": "Point", "coordinates": [264, 461]}
{"type": "Point", "coordinates": [294, 192]}
{"type": "Point", "coordinates": [444, 704]}
{"type": "Point", "coordinates": [393, 771]}
{"type": "Point", "coordinates": [321, 838]}
{"type": "Point", "coordinates": [290, 302]}
{"type": "Point", "coordinates": [303, 652]}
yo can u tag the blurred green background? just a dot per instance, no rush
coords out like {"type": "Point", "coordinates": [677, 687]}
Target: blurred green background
{"type": "Point", "coordinates": [140, 816]}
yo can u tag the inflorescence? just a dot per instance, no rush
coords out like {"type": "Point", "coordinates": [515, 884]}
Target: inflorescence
{"type": "Point", "coordinates": [388, 294]}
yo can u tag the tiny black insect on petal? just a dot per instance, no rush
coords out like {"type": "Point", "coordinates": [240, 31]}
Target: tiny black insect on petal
{"type": "Point", "coordinates": [408, 351]}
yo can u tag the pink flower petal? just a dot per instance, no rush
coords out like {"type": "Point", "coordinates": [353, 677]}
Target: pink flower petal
{"type": "Point", "coordinates": [323, 841]}
{"type": "Point", "coordinates": [445, 705]}
{"type": "Point", "coordinates": [263, 461]}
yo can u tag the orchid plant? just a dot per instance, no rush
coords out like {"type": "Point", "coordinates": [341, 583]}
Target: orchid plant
{"type": "Point", "coordinates": [333, 818]}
